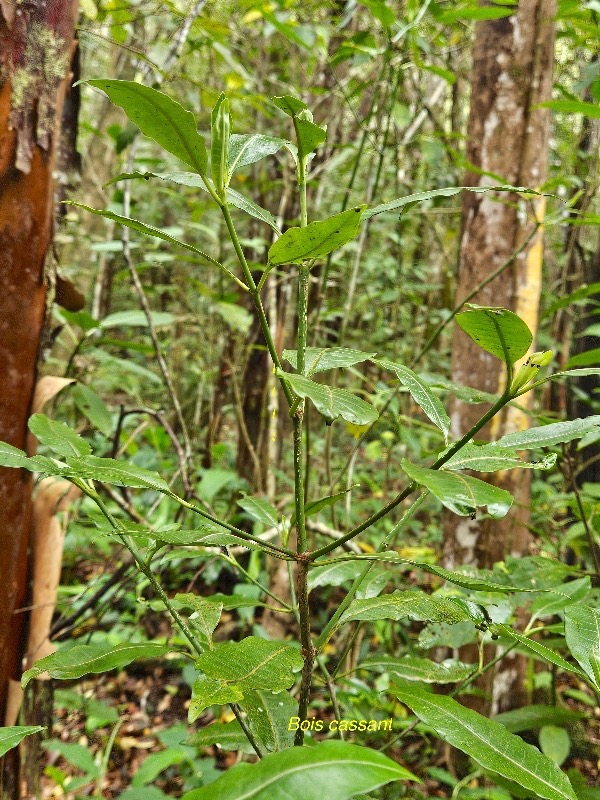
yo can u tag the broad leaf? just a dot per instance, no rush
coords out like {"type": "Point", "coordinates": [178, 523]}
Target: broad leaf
{"type": "Point", "coordinates": [337, 770]}
{"type": "Point", "coordinates": [10, 737]}
{"type": "Point", "coordinates": [460, 493]}
{"type": "Point", "coordinates": [497, 331]}
{"type": "Point", "coordinates": [58, 436]}
{"type": "Point", "coordinates": [83, 659]}
{"type": "Point", "coordinates": [211, 691]}
{"type": "Point", "coordinates": [118, 473]}
{"type": "Point", "coordinates": [252, 663]}
{"type": "Point", "coordinates": [316, 239]}
{"type": "Point", "coordinates": [419, 197]}
{"type": "Point", "coordinates": [14, 457]}
{"type": "Point", "coordinates": [421, 394]}
{"type": "Point", "coordinates": [413, 668]}
{"type": "Point", "coordinates": [249, 148]}
{"type": "Point", "coordinates": [546, 435]}
{"type": "Point", "coordinates": [160, 118]}
{"type": "Point", "coordinates": [332, 403]}
{"type": "Point", "coordinates": [225, 735]}
{"type": "Point", "coordinates": [141, 227]}
{"type": "Point", "coordinates": [412, 603]}
{"type": "Point", "coordinates": [260, 509]}
{"type": "Point", "coordinates": [290, 105]}
{"type": "Point", "coordinates": [555, 743]}
{"type": "Point", "coordinates": [568, 593]}
{"type": "Point", "coordinates": [489, 744]}
{"type": "Point", "coordinates": [206, 614]}
{"type": "Point", "coordinates": [310, 135]}
{"type": "Point", "coordinates": [269, 716]}
{"type": "Point", "coordinates": [137, 319]}
{"type": "Point", "coordinates": [493, 458]}
{"type": "Point", "coordinates": [529, 718]}
{"type": "Point", "coordinates": [156, 763]}
{"type": "Point", "coordinates": [582, 632]}
{"type": "Point", "coordinates": [319, 359]}
{"type": "Point", "coordinates": [334, 574]}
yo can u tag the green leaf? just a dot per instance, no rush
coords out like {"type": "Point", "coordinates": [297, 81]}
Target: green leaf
{"type": "Point", "coordinates": [421, 394]}
{"type": "Point", "coordinates": [586, 359]}
{"type": "Point", "coordinates": [83, 659]}
{"type": "Point", "coordinates": [332, 403]}
{"type": "Point", "coordinates": [156, 763]}
{"type": "Point", "coordinates": [219, 144]}
{"type": "Point", "coordinates": [418, 197]}
{"type": "Point", "coordinates": [211, 691]}
{"type": "Point", "coordinates": [290, 105]}
{"type": "Point", "coordinates": [460, 493]}
{"type": "Point", "coordinates": [136, 319]}
{"type": "Point", "coordinates": [334, 574]}
{"type": "Point", "coordinates": [252, 663]}
{"type": "Point", "coordinates": [249, 148]}
{"type": "Point", "coordinates": [261, 510]}
{"type": "Point", "coordinates": [14, 457]}
{"type": "Point", "coordinates": [337, 770]}
{"type": "Point", "coordinates": [310, 135]}
{"type": "Point", "coordinates": [319, 359]}
{"type": "Point", "coordinates": [497, 331]}
{"type": "Point", "coordinates": [570, 593]}
{"type": "Point", "coordinates": [206, 614]}
{"type": "Point", "coordinates": [268, 716]}
{"type": "Point", "coordinates": [530, 718]}
{"type": "Point", "coordinates": [492, 458]}
{"type": "Point", "coordinates": [316, 239]}
{"type": "Point", "coordinates": [582, 632]}
{"type": "Point", "coordinates": [538, 648]}
{"type": "Point", "coordinates": [92, 407]}
{"type": "Point", "coordinates": [590, 110]}
{"type": "Point", "coordinates": [411, 603]}
{"type": "Point", "coordinates": [546, 435]}
{"type": "Point", "coordinates": [118, 473]}
{"type": "Point", "coordinates": [413, 668]}
{"type": "Point", "coordinates": [58, 436]}
{"type": "Point", "coordinates": [10, 737]}
{"type": "Point", "coordinates": [225, 735]}
{"type": "Point", "coordinates": [476, 13]}
{"type": "Point", "coordinates": [141, 227]}
{"type": "Point", "coordinates": [555, 743]}
{"type": "Point", "coordinates": [143, 793]}
{"type": "Point", "coordinates": [489, 744]}
{"type": "Point", "coordinates": [160, 118]}
{"type": "Point", "coordinates": [76, 754]}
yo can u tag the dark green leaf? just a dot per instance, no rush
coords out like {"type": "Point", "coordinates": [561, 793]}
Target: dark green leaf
{"type": "Point", "coordinates": [58, 436]}
{"type": "Point", "coordinates": [11, 736]}
{"type": "Point", "coordinates": [413, 668]}
{"type": "Point", "coordinates": [582, 632]}
{"type": "Point", "coordinates": [497, 331]}
{"type": "Point", "coordinates": [92, 407]}
{"type": "Point", "coordinates": [529, 718]}
{"type": "Point", "coordinates": [118, 473]}
{"type": "Point", "coordinates": [225, 735]}
{"type": "Point", "coordinates": [156, 763]}
{"type": "Point", "coordinates": [411, 603]}
{"type": "Point", "coordinates": [332, 403]}
{"type": "Point", "coordinates": [489, 744]}
{"type": "Point", "coordinates": [317, 239]}
{"type": "Point", "coordinates": [269, 716]}
{"type": "Point", "coordinates": [310, 135]}
{"type": "Point", "coordinates": [160, 118]}
{"type": "Point", "coordinates": [337, 770]}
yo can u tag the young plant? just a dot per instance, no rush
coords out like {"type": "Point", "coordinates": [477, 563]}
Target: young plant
{"type": "Point", "coordinates": [254, 676]}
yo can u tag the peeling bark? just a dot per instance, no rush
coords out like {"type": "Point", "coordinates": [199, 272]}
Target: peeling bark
{"type": "Point", "coordinates": [36, 42]}
{"type": "Point", "coordinates": [508, 138]}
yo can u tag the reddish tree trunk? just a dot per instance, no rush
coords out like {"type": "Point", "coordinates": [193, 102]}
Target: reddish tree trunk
{"type": "Point", "coordinates": [36, 41]}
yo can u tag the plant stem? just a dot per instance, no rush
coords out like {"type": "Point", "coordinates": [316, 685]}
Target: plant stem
{"type": "Point", "coordinates": [247, 732]}
{"type": "Point", "coordinates": [308, 651]}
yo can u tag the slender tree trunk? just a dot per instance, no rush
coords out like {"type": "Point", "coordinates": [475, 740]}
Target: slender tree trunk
{"type": "Point", "coordinates": [508, 137]}
{"type": "Point", "coordinates": [36, 44]}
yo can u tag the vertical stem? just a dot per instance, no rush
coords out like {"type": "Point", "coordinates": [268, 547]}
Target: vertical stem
{"type": "Point", "coordinates": [308, 651]}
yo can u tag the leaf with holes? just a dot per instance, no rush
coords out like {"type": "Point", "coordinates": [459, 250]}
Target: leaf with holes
{"type": "Point", "coordinates": [159, 117]}
{"type": "Point", "coordinates": [497, 331]}
{"type": "Point", "coordinates": [461, 494]}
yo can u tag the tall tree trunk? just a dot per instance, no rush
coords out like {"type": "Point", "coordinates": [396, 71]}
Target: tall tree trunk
{"type": "Point", "coordinates": [36, 44]}
{"type": "Point", "coordinates": [507, 136]}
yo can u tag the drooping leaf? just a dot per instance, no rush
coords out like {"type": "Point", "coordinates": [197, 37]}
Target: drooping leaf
{"type": "Point", "coordinates": [118, 473]}
{"type": "Point", "coordinates": [493, 458]}
{"type": "Point", "coordinates": [460, 493]}
{"type": "Point", "coordinates": [529, 718]}
{"type": "Point", "coordinates": [421, 394]}
{"type": "Point", "coordinates": [572, 107]}
{"type": "Point", "coordinates": [83, 659]}
{"type": "Point", "coordinates": [141, 227]}
{"type": "Point", "coordinates": [260, 509]}
{"type": "Point", "coordinates": [567, 594]}
{"type": "Point", "coordinates": [319, 359]}
{"type": "Point", "coordinates": [332, 403]}
{"type": "Point", "coordinates": [339, 769]}
{"type": "Point", "coordinates": [92, 407]}
{"type": "Point", "coordinates": [582, 632]}
{"type": "Point", "coordinates": [290, 105]}
{"type": "Point", "coordinates": [546, 435]}
{"type": "Point", "coordinates": [268, 716]}
{"type": "Point", "coordinates": [411, 603]}
{"type": "Point", "coordinates": [159, 117]}
{"type": "Point", "coordinates": [413, 668]}
{"type": "Point", "coordinates": [58, 436]}
{"type": "Point", "coordinates": [247, 149]}
{"type": "Point", "coordinates": [10, 737]}
{"type": "Point", "coordinates": [533, 646]}
{"type": "Point", "coordinates": [497, 331]}
{"type": "Point", "coordinates": [489, 744]}
{"type": "Point", "coordinates": [14, 457]}
{"type": "Point", "coordinates": [316, 239]}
